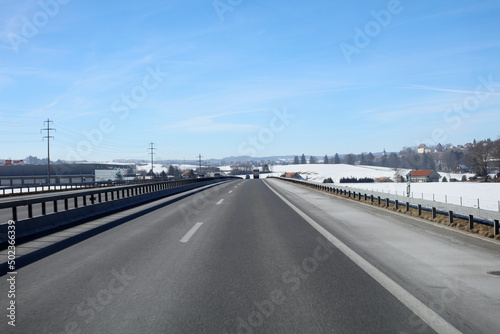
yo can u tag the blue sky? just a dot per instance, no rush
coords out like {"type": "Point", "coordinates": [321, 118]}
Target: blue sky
{"type": "Point", "coordinates": [228, 77]}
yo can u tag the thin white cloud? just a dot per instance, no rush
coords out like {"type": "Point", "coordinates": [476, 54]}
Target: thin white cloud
{"type": "Point", "coordinates": [451, 90]}
{"type": "Point", "coordinates": [206, 124]}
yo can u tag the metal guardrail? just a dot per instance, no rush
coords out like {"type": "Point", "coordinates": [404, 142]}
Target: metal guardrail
{"type": "Point", "coordinates": [486, 217]}
{"type": "Point", "coordinates": [36, 188]}
{"type": "Point", "coordinates": [100, 195]}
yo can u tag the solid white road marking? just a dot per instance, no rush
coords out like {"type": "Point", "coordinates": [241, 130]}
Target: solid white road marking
{"type": "Point", "coordinates": [191, 232]}
{"type": "Point", "coordinates": [219, 202]}
{"type": "Point", "coordinates": [416, 306]}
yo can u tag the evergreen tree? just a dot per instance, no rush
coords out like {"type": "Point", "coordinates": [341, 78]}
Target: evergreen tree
{"type": "Point", "coordinates": [362, 159]}
{"type": "Point", "coordinates": [296, 160]}
{"type": "Point", "coordinates": [370, 159]}
{"type": "Point", "coordinates": [350, 159]}
{"type": "Point", "coordinates": [336, 159]}
{"type": "Point", "coordinates": [325, 159]}
{"type": "Point", "coordinates": [384, 161]}
{"type": "Point", "coordinates": [303, 159]}
{"type": "Point", "coordinates": [393, 160]}
{"type": "Point", "coordinates": [313, 160]}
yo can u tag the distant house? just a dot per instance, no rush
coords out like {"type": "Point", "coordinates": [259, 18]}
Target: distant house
{"type": "Point", "coordinates": [462, 169]}
{"type": "Point", "coordinates": [383, 180]}
{"type": "Point", "coordinates": [292, 176]}
{"type": "Point", "coordinates": [422, 148]}
{"type": "Point", "coordinates": [424, 176]}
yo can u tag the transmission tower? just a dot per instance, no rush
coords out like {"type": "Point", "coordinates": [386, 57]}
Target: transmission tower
{"type": "Point", "coordinates": [199, 157]}
{"type": "Point", "coordinates": [48, 136]}
{"type": "Point", "coordinates": [151, 150]}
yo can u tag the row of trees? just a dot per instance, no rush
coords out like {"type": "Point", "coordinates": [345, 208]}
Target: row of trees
{"type": "Point", "coordinates": [476, 156]}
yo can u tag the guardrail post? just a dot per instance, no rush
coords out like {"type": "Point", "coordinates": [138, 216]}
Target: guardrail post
{"type": "Point", "coordinates": [112, 195]}
{"type": "Point", "coordinates": [450, 217]}
{"type": "Point", "coordinates": [396, 202]}
{"type": "Point", "coordinates": [44, 209]}
{"type": "Point", "coordinates": [30, 210]}
{"type": "Point", "coordinates": [92, 199]}
{"type": "Point", "coordinates": [433, 213]}
{"type": "Point", "coordinates": [387, 202]}
{"type": "Point", "coordinates": [379, 200]}
{"type": "Point", "coordinates": [66, 204]}
{"type": "Point", "coordinates": [471, 222]}
{"type": "Point", "coordinates": [495, 227]}
{"type": "Point", "coordinates": [420, 209]}
{"type": "Point", "coordinates": [371, 198]}
{"type": "Point", "coordinates": [99, 197]}
{"type": "Point", "coordinates": [75, 199]}
{"type": "Point", "coordinates": [55, 206]}
{"type": "Point", "coordinates": [85, 200]}
{"type": "Point", "coordinates": [14, 213]}
{"type": "Point", "coordinates": [407, 206]}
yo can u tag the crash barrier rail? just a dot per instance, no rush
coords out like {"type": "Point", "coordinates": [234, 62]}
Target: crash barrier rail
{"type": "Point", "coordinates": [77, 205]}
{"type": "Point", "coordinates": [37, 188]}
{"type": "Point", "coordinates": [473, 215]}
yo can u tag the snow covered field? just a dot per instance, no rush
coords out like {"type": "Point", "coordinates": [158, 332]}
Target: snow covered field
{"type": "Point", "coordinates": [464, 193]}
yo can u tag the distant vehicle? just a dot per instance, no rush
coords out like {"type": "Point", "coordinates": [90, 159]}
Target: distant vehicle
{"type": "Point", "coordinates": [201, 176]}
{"type": "Point", "coordinates": [247, 176]}
{"type": "Point", "coordinates": [255, 173]}
{"type": "Point", "coordinates": [217, 175]}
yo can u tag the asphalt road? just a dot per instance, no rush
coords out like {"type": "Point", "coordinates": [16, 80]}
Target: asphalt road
{"type": "Point", "coordinates": [235, 258]}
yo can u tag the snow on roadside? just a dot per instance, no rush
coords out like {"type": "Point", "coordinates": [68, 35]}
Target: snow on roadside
{"type": "Point", "coordinates": [460, 193]}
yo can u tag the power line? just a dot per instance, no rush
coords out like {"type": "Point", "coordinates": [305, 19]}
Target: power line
{"type": "Point", "coordinates": [48, 136]}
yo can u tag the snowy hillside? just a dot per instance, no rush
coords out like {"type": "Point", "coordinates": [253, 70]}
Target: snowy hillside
{"type": "Point", "coordinates": [319, 172]}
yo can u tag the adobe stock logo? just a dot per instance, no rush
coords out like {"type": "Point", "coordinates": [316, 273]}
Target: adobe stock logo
{"type": "Point", "coordinates": [258, 142]}
{"type": "Point", "coordinates": [30, 28]}
{"type": "Point", "coordinates": [121, 108]}
{"type": "Point", "coordinates": [363, 37]}
{"type": "Point", "coordinates": [223, 6]}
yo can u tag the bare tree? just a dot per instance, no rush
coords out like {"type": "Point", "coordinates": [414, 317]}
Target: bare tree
{"type": "Point", "coordinates": [478, 156]}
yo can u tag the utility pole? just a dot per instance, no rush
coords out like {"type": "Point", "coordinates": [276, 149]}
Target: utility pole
{"type": "Point", "coordinates": [48, 136]}
{"type": "Point", "coordinates": [151, 151]}
{"type": "Point", "coordinates": [199, 157]}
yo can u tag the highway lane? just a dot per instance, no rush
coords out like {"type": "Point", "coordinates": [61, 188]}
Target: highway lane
{"type": "Point", "coordinates": [450, 271]}
{"type": "Point", "coordinates": [233, 258]}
